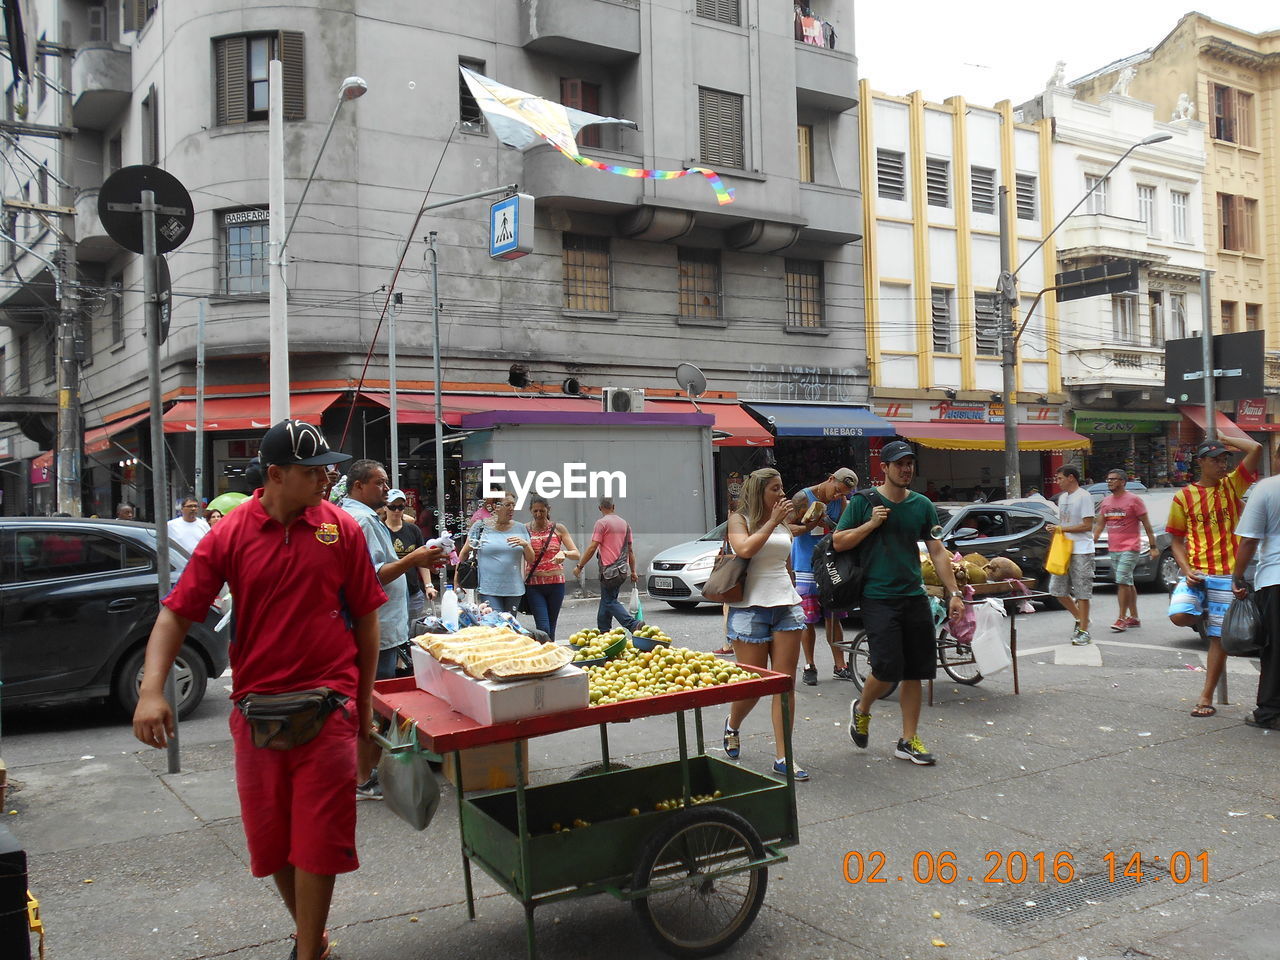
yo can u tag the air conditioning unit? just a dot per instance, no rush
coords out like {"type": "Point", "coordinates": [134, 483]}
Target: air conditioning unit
{"type": "Point", "coordinates": [623, 399]}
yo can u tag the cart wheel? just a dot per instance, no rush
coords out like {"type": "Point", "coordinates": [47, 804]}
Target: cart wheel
{"type": "Point", "coordinates": [957, 660]}
{"type": "Point", "coordinates": [860, 660]}
{"type": "Point", "coordinates": [704, 911]}
{"type": "Point", "coordinates": [598, 768]}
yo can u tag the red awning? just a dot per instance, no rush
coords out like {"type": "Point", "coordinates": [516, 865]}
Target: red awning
{"type": "Point", "coordinates": [44, 461]}
{"type": "Point", "coordinates": [99, 438]}
{"type": "Point", "coordinates": [1226, 427]}
{"type": "Point", "coordinates": [990, 436]}
{"type": "Point", "coordinates": [742, 429]}
{"type": "Point", "coordinates": [244, 413]}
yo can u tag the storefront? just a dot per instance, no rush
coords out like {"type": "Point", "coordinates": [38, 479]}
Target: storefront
{"type": "Point", "coordinates": [814, 439]}
{"type": "Point", "coordinates": [1145, 444]}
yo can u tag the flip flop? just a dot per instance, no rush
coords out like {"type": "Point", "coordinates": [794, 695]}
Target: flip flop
{"type": "Point", "coordinates": [1204, 710]}
{"type": "Point", "coordinates": [324, 940]}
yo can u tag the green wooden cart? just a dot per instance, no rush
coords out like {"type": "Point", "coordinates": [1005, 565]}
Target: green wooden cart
{"type": "Point", "coordinates": [695, 873]}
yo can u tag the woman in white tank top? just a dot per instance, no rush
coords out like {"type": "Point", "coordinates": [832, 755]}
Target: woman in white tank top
{"type": "Point", "coordinates": [765, 625]}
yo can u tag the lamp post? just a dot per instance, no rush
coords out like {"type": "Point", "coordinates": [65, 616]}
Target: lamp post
{"type": "Point", "coordinates": [352, 88]}
{"type": "Point", "coordinates": [1008, 289]}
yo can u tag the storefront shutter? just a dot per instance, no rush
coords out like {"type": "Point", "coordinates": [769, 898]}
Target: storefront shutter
{"type": "Point", "coordinates": [292, 48]}
{"type": "Point", "coordinates": [230, 56]}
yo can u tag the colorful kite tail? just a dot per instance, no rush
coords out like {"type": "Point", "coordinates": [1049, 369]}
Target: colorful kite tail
{"type": "Point", "coordinates": [723, 194]}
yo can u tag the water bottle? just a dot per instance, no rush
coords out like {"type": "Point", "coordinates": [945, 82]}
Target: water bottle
{"type": "Point", "coordinates": [449, 608]}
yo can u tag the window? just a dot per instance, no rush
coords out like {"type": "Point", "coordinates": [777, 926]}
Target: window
{"type": "Point", "coordinates": [937, 179]}
{"type": "Point", "coordinates": [138, 12]}
{"type": "Point", "coordinates": [42, 82]}
{"type": "Point", "coordinates": [115, 307]}
{"type": "Point", "coordinates": [62, 554]}
{"type": "Point", "coordinates": [42, 182]}
{"type": "Point", "coordinates": [582, 95]}
{"type": "Point", "coordinates": [1232, 115]}
{"type": "Point", "coordinates": [699, 284]}
{"type": "Point", "coordinates": [986, 307]}
{"type": "Point", "coordinates": [244, 251]}
{"type": "Point", "coordinates": [1253, 316]}
{"type": "Point", "coordinates": [982, 185]}
{"type": "Point", "coordinates": [1025, 194]}
{"type": "Point", "coordinates": [1147, 207]}
{"type": "Point", "coordinates": [1097, 188]}
{"type": "Point", "coordinates": [1179, 202]}
{"type": "Point", "coordinates": [720, 128]}
{"type": "Point", "coordinates": [804, 293]}
{"type": "Point", "coordinates": [97, 23]}
{"type": "Point", "coordinates": [1123, 320]}
{"type": "Point", "coordinates": [804, 150]}
{"type": "Point", "coordinates": [944, 325]}
{"type": "Point", "coordinates": [469, 113]}
{"type": "Point", "coordinates": [1238, 223]}
{"type": "Point", "coordinates": [151, 127]}
{"type": "Point", "coordinates": [3, 372]}
{"type": "Point", "coordinates": [1177, 329]}
{"type": "Point", "coordinates": [1155, 307]}
{"type": "Point", "coordinates": [1228, 317]}
{"type": "Point", "coordinates": [891, 175]}
{"type": "Point", "coordinates": [723, 11]}
{"type": "Point", "coordinates": [241, 71]}
{"type": "Point", "coordinates": [586, 273]}
{"type": "Point", "coordinates": [10, 223]}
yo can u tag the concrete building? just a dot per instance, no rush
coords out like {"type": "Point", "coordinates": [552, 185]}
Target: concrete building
{"type": "Point", "coordinates": [628, 277]}
{"type": "Point", "coordinates": [1146, 212]}
{"type": "Point", "coordinates": [931, 174]}
{"type": "Point", "coordinates": [1226, 79]}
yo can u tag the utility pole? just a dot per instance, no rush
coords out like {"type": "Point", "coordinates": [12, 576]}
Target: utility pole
{"type": "Point", "coordinates": [198, 472]}
{"type": "Point", "coordinates": [70, 453]}
{"type": "Point", "coordinates": [279, 291]}
{"type": "Point", "coordinates": [1008, 293]}
{"type": "Point", "coordinates": [1206, 355]}
{"type": "Point", "coordinates": [396, 299]}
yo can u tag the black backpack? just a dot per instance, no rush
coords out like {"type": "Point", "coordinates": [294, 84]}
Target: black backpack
{"type": "Point", "coordinates": [838, 574]}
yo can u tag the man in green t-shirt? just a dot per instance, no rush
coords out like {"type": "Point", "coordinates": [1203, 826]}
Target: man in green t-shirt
{"type": "Point", "coordinates": [895, 608]}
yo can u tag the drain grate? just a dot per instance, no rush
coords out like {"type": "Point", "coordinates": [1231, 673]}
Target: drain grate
{"type": "Point", "coordinates": [1044, 902]}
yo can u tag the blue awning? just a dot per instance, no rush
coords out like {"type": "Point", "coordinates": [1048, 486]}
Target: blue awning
{"type": "Point", "coordinates": [820, 420]}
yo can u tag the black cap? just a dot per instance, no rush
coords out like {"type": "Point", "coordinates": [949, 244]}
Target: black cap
{"type": "Point", "coordinates": [895, 450]}
{"type": "Point", "coordinates": [1212, 448]}
{"type": "Point", "coordinates": [292, 442]}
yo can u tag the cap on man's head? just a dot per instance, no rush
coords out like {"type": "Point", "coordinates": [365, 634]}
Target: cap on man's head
{"type": "Point", "coordinates": [847, 477]}
{"type": "Point", "coordinates": [293, 442]}
{"type": "Point", "coordinates": [393, 495]}
{"type": "Point", "coordinates": [895, 450]}
{"type": "Point", "coordinates": [1212, 448]}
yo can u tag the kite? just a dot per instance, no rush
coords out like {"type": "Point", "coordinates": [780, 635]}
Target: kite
{"type": "Point", "coordinates": [519, 119]}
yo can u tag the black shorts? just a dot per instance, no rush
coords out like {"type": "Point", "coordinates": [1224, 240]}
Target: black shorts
{"type": "Point", "coordinates": [900, 638]}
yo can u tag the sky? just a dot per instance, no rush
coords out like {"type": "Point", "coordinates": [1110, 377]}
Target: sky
{"type": "Point", "coordinates": [993, 50]}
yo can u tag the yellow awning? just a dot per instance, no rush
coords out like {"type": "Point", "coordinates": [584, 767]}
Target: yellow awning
{"type": "Point", "coordinates": [990, 436]}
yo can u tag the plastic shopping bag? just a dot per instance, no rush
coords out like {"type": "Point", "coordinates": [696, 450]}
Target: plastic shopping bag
{"type": "Point", "coordinates": [990, 644]}
{"type": "Point", "coordinates": [963, 628]}
{"type": "Point", "coordinates": [409, 786]}
{"type": "Point", "coordinates": [1058, 561]}
{"type": "Point", "coordinates": [1242, 628]}
{"type": "Point", "coordinates": [633, 604]}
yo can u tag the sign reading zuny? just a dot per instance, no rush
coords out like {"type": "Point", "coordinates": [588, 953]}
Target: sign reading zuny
{"type": "Point", "coordinates": [573, 482]}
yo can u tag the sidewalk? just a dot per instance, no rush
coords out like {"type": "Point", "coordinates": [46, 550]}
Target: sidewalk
{"type": "Point", "coordinates": [129, 862]}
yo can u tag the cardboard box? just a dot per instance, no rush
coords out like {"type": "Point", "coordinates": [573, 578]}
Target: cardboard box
{"type": "Point", "coordinates": [488, 768]}
{"type": "Point", "coordinates": [491, 702]}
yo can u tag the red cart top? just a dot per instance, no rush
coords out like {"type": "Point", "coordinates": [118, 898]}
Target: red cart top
{"type": "Point", "coordinates": [443, 730]}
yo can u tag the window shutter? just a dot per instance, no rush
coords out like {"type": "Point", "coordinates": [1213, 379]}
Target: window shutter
{"type": "Point", "coordinates": [292, 47]}
{"type": "Point", "coordinates": [937, 174]}
{"type": "Point", "coordinates": [135, 14]}
{"type": "Point", "coordinates": [231, 55]}
{"type": "Point", "coordinates": [891, 175]}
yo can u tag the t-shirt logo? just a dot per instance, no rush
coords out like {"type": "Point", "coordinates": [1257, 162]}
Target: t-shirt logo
{"type": "Point", "coordinates": [327, 533]}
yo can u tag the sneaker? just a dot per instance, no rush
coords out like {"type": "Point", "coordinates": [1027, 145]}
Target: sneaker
{"type": "Point", "coordinates": [1075, 631]}
{"type": "Point", "coordinates": [859, 726]}
{"type": "Point", "coordinates": [843, 673]}
{"type": "Point", "coordinates": [732, 744]}
{"type": "Point", "coordinates": [914, 751]}
{"type": "Point", "coordinates": [810, 675]}
{"type": "Point", "coordinates": [1120, 626]}
{"type": "Point", "coordinates": [1132, 622]}
{"type": "Point", "coordinates": [1081, 639]}
{"type": "Point", "coordinates": [371, 789]}
{"type": "Point", "coordinates": [780, 768]}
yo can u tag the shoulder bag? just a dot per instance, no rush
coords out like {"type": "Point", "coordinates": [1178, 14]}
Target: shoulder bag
{"type": "Point", "coordinates": [523, 605]}
{"type": "Point", "coordinates": [728, 580]}
{"type": "Point", "coordinates": [469, 569]}
{"type": "Point", "coordinates": [615, 573]}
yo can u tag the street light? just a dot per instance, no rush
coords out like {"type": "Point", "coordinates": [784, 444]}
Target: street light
{"type": "Point", "coordinates": [352, 88]}
{"type": "Point", "coordinates": [1008, 287]}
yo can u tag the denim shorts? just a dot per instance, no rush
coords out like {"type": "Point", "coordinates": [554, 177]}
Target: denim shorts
{"type": "Point", "coordinates": [759, 624]}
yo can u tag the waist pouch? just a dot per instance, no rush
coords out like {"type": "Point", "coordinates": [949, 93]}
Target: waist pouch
{"type": "Point", "coordinates": [282, 721]}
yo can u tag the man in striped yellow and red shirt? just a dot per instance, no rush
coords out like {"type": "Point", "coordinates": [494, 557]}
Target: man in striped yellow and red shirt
{"type": "Point", "coordinates": [1202, 529]}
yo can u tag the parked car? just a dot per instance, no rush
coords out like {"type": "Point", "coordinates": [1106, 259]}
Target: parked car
{"type": "Point", "coordinates": [1157, 573]}
{"type": "Point", "coordinates": [678, 574]}
{"type": "Point", "coordinates": [78, 599]}
{"type": "Point", "coordinates": [1015, 530]}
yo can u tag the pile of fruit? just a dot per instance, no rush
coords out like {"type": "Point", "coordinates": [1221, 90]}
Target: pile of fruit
{"type": "Point", "coordinates": [591, 643]}
{"type": "Point", "coordinates": [663, 806]}
{"type": "Point", "coordinates": [650, 632]}
{"type": "Point", "coordinates": [636, 673]}
{"type": "Point", "coordinates": [678, 802]}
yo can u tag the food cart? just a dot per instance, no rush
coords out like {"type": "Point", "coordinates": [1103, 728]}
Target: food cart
{"type": "Point", "coordinates": [695, 872]}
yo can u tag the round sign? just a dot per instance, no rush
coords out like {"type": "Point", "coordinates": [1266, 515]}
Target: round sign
{"type": "Point", "coordinates": [120, 198]}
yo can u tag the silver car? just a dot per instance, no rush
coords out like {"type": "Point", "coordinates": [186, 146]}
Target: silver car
{"type": "Point", "coordinates": [1160, 573]}
{"type": "Point", "coordinates": [678, 574]}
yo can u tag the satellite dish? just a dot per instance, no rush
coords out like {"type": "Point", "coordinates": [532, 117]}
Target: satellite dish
{"type": "Point", "coordinates": [692, 380]}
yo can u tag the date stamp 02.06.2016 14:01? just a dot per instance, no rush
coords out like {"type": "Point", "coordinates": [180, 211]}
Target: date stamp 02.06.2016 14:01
{"type": "Point", "coordinates": [1017, 866]}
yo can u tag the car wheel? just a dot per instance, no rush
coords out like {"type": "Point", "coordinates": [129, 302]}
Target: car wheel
{"type": "Point", "coordinates": [1168, 573]}
{"type": "Point", "coordinates": [193, 678]}
{"type": "Point", "coordinates": [681, 604]}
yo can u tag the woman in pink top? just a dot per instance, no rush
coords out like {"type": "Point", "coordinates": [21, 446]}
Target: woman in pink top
{"type": "Point", "coordinates": [544, 585]}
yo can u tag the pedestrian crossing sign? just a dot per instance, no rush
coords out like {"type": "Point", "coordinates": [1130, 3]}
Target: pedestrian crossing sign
{"type": "Point", "coordinates": [511, 227]}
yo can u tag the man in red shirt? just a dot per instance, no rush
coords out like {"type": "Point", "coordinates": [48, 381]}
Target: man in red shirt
{"type": "Point", "coordinates": [307, 601]}
{"type": "Point", "coordinates": [1120, 513]}
{"type": "Point", "coordinates": [612, 539]}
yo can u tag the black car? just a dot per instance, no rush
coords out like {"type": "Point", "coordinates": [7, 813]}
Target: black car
{"type": "Point", "coordinates": [78, 599]}
{"type": "Point", "coordinates": [1014, 530]}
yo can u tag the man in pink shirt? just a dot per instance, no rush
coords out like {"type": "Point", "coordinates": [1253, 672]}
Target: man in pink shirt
{"type": "Point", "coordinates": [1120, 513]}
{"type": "Point", "coordinates": [612, 539]}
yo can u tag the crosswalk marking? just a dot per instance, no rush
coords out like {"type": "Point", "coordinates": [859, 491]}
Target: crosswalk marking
{"type": "Point", "coordinates": [1086, 655]}
{"type": "Point", "coordinates": [1090, 655]}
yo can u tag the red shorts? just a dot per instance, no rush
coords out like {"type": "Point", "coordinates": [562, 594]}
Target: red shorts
{"type": "Point", "coordinates": [299, 806]}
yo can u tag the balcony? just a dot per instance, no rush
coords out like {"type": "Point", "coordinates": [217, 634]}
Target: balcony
{"type": "Point", "coordinates": [831, 214]}
{"type": "Point", "coordinates": [826, 79]}
{"type": "Point", "coordinates": [559, 182]}
{"type": "Point", "coordinates": [1105, 370]}
{"type": "Point", "coordinates": [1103, 235]}
{"type": "Point", "coordinates": [92, 242]}
{"type": "Point", "coordinates": [601, 31]}
{"type": "Point", "coordinates": [101, 84]}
